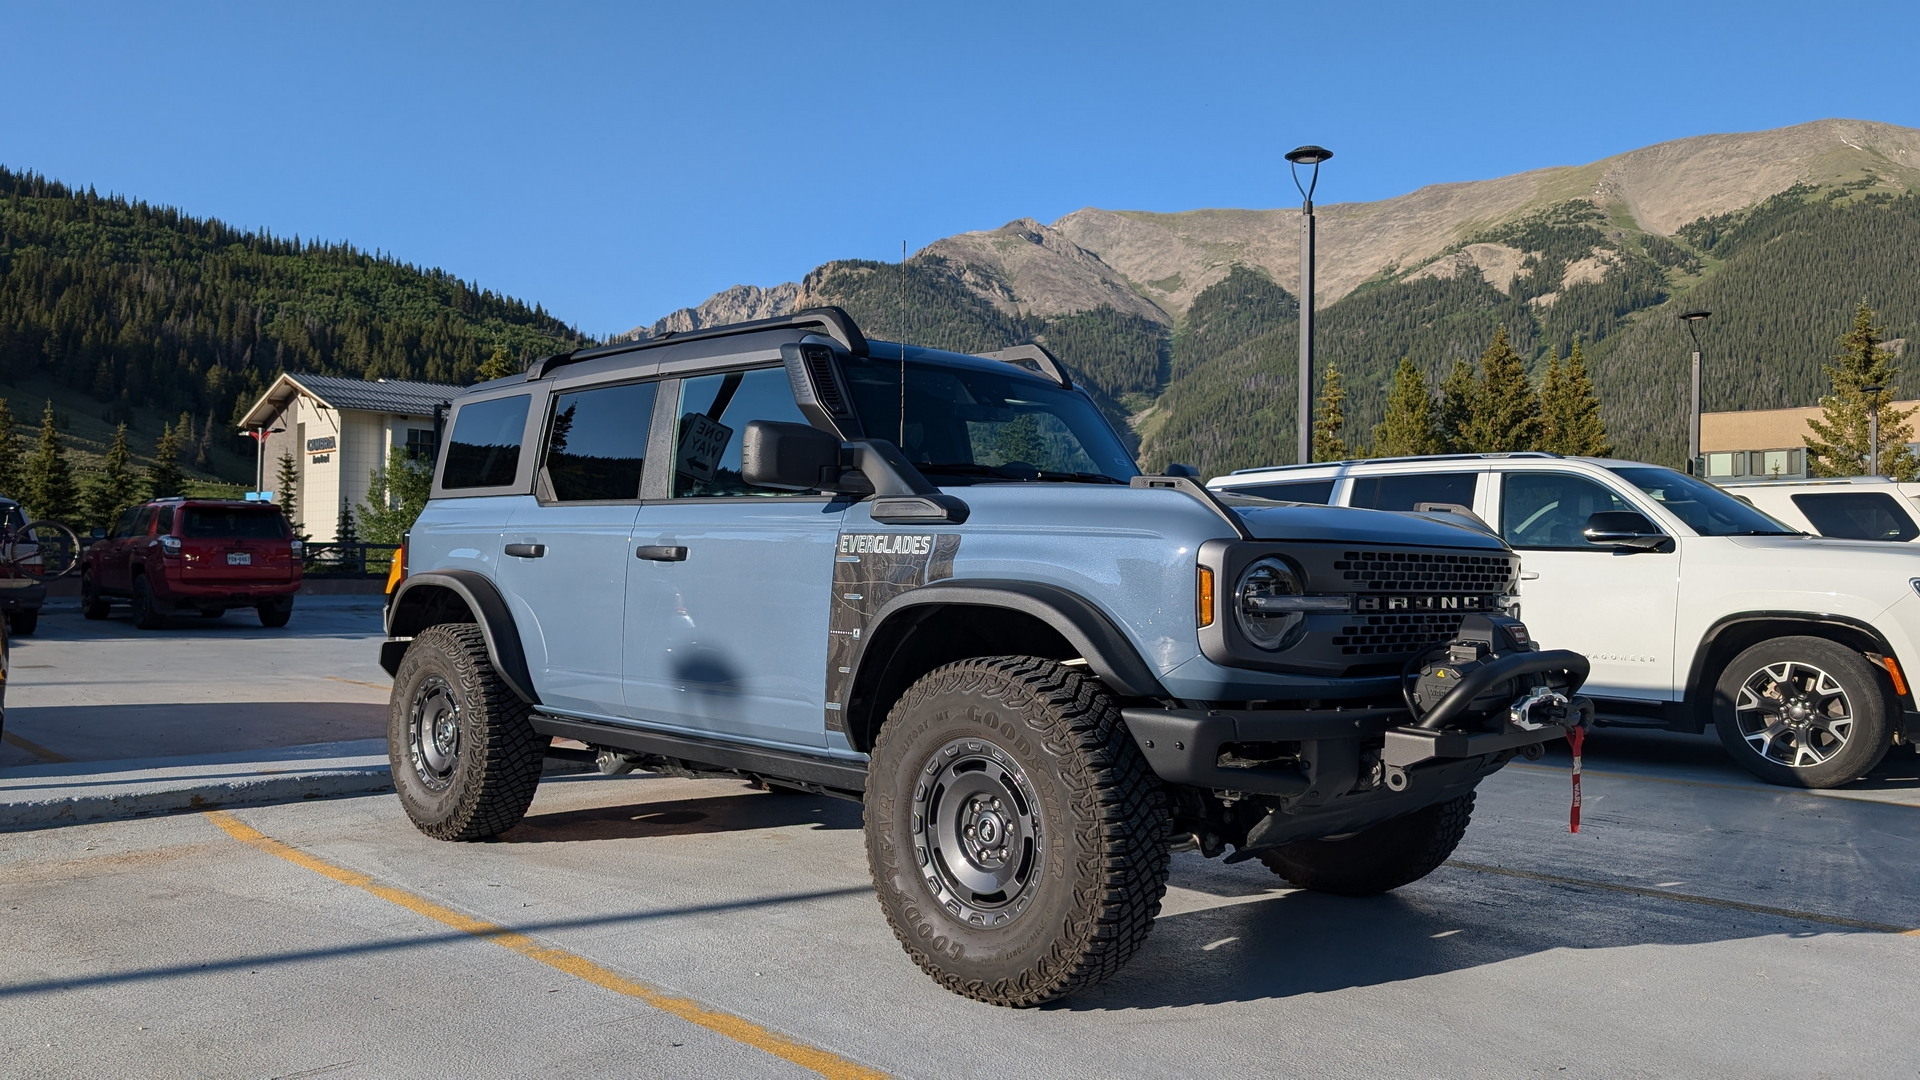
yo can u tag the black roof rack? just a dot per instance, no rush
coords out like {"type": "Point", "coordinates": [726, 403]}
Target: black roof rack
{"type": "Point", "coordinates": [837, 323]}
{"type": "Point", "coordinates": [1417, 457]}
{"type": "Point", "coordinates": [1034, 358]}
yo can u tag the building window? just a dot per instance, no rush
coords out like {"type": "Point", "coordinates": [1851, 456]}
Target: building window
{"type": "Point", "coordinates": [420, 444]}
{"type": "Point", "coordinates": [1729, 464]}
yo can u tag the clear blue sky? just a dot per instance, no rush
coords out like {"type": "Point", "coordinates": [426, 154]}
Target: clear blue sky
{"type": "Point", "coordinates": [616, 161]}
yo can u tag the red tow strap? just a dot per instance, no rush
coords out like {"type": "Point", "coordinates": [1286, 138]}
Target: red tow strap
{"type": "Point", "coordinates": [1575, 737]}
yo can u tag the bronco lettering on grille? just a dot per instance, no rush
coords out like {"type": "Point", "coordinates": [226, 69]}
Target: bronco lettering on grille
{"type": "Point", "coordinates": [1424, 603]}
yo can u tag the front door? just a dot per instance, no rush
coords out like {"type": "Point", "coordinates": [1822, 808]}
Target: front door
{"type": "Point", "coordinates": [1618, 608]}
{"type": "Point", "coordinates": [728, 585]}
{"type": "Point", "coordinates": [563, 563]}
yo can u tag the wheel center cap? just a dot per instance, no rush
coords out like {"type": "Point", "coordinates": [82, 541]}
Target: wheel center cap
{"type": "Point", "coordinates": [990, 828]}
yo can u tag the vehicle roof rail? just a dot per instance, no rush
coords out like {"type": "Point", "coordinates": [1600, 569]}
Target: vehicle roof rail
{"type": "Point", "coordinates": [1417, 457]}
{"type": "Point", "coordinates": [837, 324]}
{"type": "Point", "coordinates": [1034, 358]}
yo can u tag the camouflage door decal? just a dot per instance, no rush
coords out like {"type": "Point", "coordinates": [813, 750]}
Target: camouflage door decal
{"type": "Point", "coordinates": [869, 569]}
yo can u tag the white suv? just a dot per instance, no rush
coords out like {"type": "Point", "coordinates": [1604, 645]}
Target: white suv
{"type": "Point", "coordinates": [1852, 508]}
{"type": "Point", "coordinates": [1693, 606]}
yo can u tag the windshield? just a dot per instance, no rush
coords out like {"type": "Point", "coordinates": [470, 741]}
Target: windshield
{"type": "Point", "coordinates": [964, 425]}
{"type": "Point", "coordinates": [1705, 508]}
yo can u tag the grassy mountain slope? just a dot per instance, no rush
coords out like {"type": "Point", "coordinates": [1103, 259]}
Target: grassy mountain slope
{"type": "Point", "coordinates": [137, 312]}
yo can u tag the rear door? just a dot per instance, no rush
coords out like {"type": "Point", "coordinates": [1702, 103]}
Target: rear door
{"type": "Point", "coordinates": [564, 556]}
{"type": "Point", "coordinates": [233, 544]}
{"type": "Point", "coordinates": [129, 547]}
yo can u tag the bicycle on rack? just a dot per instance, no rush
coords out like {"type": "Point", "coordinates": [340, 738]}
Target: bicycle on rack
{"type": "Point", "coordinates": [31, 554]}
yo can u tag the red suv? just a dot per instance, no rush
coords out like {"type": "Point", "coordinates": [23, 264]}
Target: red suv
{"type": "Point", "coordinates": [204, 555]}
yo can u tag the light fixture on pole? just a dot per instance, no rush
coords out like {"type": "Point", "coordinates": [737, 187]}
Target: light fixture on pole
{"type": "Point", "coordinates": [1692, 318]}
{"type": "Point", "coordinates": [1873, 427]}
{"type": "Point", "coordinates": [1306, 155]}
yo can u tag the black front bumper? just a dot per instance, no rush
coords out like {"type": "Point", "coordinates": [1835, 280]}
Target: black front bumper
{"type": "Point", "coordinates": [1184, 746]}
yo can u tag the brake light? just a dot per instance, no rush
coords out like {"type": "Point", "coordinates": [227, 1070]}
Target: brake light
{"type": "Point", "coordinates": [170, 546]}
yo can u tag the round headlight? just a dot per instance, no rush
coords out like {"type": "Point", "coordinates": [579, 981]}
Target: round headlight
{"type": "Point", "coordinates": [1262, 623]}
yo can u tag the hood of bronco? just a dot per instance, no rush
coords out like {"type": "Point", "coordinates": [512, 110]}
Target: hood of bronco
{"type": "Point", "coordinates": [1268, 520]}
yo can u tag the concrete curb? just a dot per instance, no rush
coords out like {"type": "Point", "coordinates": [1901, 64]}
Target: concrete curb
{"type": "Point", "coordinates": [42, 796]}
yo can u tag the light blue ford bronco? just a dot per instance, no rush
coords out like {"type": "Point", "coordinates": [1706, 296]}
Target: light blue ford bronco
{"type": "Point", "coordinates": [938, 584]}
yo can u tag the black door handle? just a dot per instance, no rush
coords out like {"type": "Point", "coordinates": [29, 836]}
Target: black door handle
{"type": "Point", "coordinates": [660, 553]}
{"type": "Point", "coordinates": [526, 551]}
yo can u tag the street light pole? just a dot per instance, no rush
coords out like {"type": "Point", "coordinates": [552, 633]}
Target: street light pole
{"type": "Point", "coordinates": [1873, 428]}
{"type": "Point", "coordinates": [1692, 318]}
{"type": "Point", "coordinates": [1306, 155]}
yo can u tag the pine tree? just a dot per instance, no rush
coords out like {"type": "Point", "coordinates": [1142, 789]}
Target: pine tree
{"type": "Point", "coordinates": [1838, 445]}
{"type": "Point", "coordinates": [47, 479]}
{"type": "Point", "coordinates": [1506, 416]}
{"type": "Point", "coordinates": [115, 487]}
{"type": "Point", "coordinates": [1407, 428]}
{"type": "Point", "coordinates": [203, 448]}
{"type": "Point", "coordinates": [287, 487]}
{"type": "Point", "coordinates": [498, 364]}
{"type": "Point", "coordinates": [345, 529]}
{"type": "Point", "coordinates": [1332, 416]}
{"type": "Point", "coordinates": [164, 477]}
{"type": "Point", "coordinates": [1570, 420]}
{"type": "Point", "coordinates": [184, 436]}
{"type": "Point", "coordinates": [1459, 402]}
{"type": "Point", "coordinates": [9, 452]}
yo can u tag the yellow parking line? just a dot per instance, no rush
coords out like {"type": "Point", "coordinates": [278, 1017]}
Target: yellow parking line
{"type": "Point", "coordinates": [1690, 898]}
{"type": "Point", "coordinates": [722, 1023]}
{"type": "Point", "coordinates": [34, 748]}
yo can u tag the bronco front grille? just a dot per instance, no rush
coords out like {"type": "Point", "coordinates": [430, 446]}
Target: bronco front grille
{"type": "Point", "coordinates": [1426, 572]}
{"type": "Point", "coordinates": [1415, 575]}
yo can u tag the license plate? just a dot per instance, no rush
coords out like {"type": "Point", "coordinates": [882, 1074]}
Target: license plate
{"type": "Point", "coordinates": [239, 558]}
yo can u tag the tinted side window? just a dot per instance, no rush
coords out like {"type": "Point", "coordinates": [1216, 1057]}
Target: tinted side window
{"type": "Point", "coordinates": [1857, 515]}
{"type": "Point", "coordinates": [166, 519]}
{"type": "Point", "coordinates": [123, 525]}
{"type": "Point", "coordinates": [1303, 491]}
{"type": "Point", "coordinates": [1405, 492]}
{"type": "Point", "coordinates": [142, 519]}
{"type": "Point", "coordinates": [1550, 510]}
{"type": "Point", "coordinates": [485, 448]}
{"type": "Point", "coordinates": [597, 442]}
{"type": "Point", "coordinates": [714, 412]}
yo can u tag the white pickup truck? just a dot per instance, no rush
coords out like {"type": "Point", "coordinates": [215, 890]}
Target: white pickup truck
{"type": "Point", "coordinates": [1693, 607]}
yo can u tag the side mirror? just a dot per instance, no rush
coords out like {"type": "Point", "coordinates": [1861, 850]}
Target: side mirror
{"type": "Point", "coordinates": [1625, 529]}
{"type": "Point", "coordinates": [789, 457]}
{"type": "Point", "coordinates": [98, 532]}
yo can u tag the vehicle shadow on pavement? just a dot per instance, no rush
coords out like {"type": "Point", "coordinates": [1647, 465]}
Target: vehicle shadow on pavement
{"type": "Point", "coordinates": [745, 812]}
{"type": "Point", "coordinates": [1299, 942]}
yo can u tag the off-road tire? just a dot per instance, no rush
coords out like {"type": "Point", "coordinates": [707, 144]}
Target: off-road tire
{"type": "Point", "coordinates": [275, 613]}
{"type": "Point", "coordinates": [1856, 689]}
{"type": "Point", "coordinates": [145, 615]}
{"type": "Point", "coordinates": [23, 623]}
{"type": "Point", "coordinates": [492, 764]}
{"type": "Point", "coordinates": [92, 604]}
{"type": "Point", "coordinates": [1376, 859]}
{"type": "Point", "coordinates": [1095, 822]}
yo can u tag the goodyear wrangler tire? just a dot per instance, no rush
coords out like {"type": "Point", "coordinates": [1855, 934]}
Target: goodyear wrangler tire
{"type": "Point", "coordinates": [465, 760]}
{"type": "Point", "coordinates": [1017, 838]}
{"type": "Point", "coordinates": [1378, 859]}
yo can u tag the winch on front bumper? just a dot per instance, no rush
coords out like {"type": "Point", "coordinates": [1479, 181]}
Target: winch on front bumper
{"type": "Point", "coordinates": [1476, 702]}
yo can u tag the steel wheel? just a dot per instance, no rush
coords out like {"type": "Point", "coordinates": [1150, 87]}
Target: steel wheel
{"type": "Point", "coordinates": [1794, 713]}
{"type": "Point", "coordinates": [973, 816]}
{"type": "Point", "coordinates": [433, 732]}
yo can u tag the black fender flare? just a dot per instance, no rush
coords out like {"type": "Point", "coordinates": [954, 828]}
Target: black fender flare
{"type": "Point", "coordinates": [1107, 650]}
{"type": "Point", "coordinates": [489, 610]}
{"type": "Point", "coordinates": [1699, 691]}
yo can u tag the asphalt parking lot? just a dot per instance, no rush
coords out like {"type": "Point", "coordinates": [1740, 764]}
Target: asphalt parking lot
{"type": "Point", "coordinates": [1701, 924]}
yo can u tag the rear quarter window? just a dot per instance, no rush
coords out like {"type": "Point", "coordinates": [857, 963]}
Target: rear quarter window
{"type": "Point", "coordinates": [484, 449]}
{"type": "Point", "coordinates": [1857, 515]}
{"type": "Point", "coordinates": [233, 523]}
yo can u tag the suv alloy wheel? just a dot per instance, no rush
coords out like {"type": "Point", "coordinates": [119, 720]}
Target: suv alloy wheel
{"type": "Point", "coordinates": [1802, 711]}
